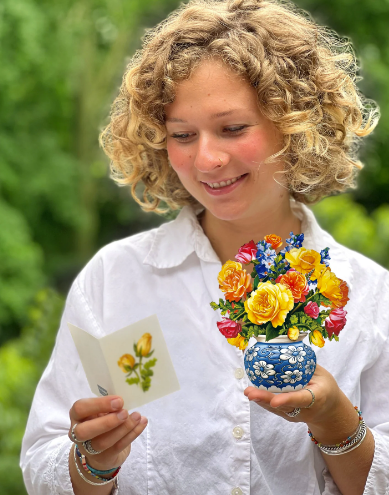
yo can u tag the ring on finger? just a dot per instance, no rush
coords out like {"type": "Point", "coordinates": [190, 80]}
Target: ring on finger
{"type": "Point", "coordinates": [313, 398]}
{"type": "Point", "coordinates": [73, 434]}
{"type": "Point", "coordinates": [293, 413]}
{"type": "Point", "coordinates": [88, 447]}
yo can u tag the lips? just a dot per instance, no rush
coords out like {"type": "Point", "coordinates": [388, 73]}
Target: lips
{"type": "Point", "coordinates": [218, 191]}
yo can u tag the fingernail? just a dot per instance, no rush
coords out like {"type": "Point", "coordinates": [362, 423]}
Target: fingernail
{"type": "Point", "coordinates": [135, 416]}
{"type": "Point", "coordinates": [143, 420]}
{"type": "Point", "coordinates": [116, 403]}
{"type": "Point", "coordinates": [122, 414]}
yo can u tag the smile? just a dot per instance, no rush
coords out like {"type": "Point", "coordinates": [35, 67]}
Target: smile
{"type": "Point", "coordinates": [217, 185]}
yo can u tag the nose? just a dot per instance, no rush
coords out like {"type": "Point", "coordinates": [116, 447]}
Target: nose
{"type": "Point", "coordinates": [209, 155]}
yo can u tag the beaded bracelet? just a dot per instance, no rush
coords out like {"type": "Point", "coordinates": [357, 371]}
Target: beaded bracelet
{"type": "Point", "coordinates": [115, 480]}
{"type": "Point", "coordinates": [350, 443]}
{"type": "Point", "coordinates": [86, 468]}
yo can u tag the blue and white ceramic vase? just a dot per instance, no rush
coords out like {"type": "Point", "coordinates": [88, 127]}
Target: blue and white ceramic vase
{"type": "Point", "coordinates": [280, 365]}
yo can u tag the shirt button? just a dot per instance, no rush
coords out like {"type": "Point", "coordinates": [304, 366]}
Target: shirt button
{"type": "Point", "coordinates": [239, 373]}
{"type": "Point", "coordinates": [236, 491]}
{"type": "Point", "coordinates": [238, 433]}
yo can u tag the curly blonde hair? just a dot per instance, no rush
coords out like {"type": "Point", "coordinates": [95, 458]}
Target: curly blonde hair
{"type": "Point", "coordinates": [305, 77]}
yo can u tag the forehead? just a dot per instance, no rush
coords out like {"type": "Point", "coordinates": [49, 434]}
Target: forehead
{"type": "Point", "coordinates": [213, 87]}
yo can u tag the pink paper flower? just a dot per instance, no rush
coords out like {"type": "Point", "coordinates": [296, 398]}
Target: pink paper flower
{"type": "Point", "coordinates": [230, 329]}
{"type": "Point", "coordinates": [247, 253]}
{"type": "Point", "coordinates": [336, 321]}
{"type": "Point", "coordinates": [312, 310]}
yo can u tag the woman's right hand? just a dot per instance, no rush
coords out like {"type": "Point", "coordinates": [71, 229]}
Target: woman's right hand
{"type": "Point", "coordinates": [109, 427]}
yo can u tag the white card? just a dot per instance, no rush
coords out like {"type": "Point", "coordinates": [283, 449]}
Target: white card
{"type": "Point", "coordinates": [133, 362]}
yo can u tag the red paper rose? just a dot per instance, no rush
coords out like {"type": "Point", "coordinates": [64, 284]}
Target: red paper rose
{"type": "Point", "coordinates": [336, 321]}
{"type": "Point", "coordinates": [312, 310]}
{"type": "Point", "coordinates": [247, 253]}
{"type": "Point", "coordinates": [230, 329]}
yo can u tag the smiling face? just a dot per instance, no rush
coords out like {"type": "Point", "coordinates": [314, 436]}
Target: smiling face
{"type": "Point", "coordinates": [216, 134]}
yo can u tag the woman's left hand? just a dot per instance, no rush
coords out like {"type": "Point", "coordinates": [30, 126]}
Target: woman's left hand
{"type": "Point", "coordinates": [328, 397]}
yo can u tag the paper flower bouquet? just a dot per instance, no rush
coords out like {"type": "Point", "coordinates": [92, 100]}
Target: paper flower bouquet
{"type": "Point", "coordinates": [290, 293]}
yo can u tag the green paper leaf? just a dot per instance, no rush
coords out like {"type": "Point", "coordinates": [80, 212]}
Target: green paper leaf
{"type": "Point", "coordinates": [271, 332]}
{"type": "Point", "coordinates": [150, 363]}
{"type": "Point", "coordinates": [132, 381]}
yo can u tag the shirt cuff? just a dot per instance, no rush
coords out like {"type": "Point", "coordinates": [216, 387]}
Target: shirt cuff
{"type": "Point", "coordinates": [378, 478]}
{"type": "Point", "coordinates": [330, 487]}
{"type": "Point", "coordinates": [58, 469]}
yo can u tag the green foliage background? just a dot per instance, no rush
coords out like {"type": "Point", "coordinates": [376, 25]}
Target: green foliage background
{"type": "Point", "coordinates": [61, 64]}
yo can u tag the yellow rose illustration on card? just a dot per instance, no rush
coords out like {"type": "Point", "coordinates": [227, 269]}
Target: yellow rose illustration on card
{"type": "Point", "coordinates": [141, 371]}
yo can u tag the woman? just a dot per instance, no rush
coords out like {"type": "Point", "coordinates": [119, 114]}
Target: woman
{"type": "Point", "coordinates": [238, 111]}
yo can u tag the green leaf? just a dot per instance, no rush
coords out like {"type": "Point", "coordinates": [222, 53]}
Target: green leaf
{"type": "Point", "coordinates": [294, 319]}
{"type": "Point", "coordinates": [271, 332]}
{"type": "Point", "coordinates": [132, 381]}
{"type": "Point", "coordinates": [214, 305]}
{"type": "Point", "coordinates": [150, 363]}
{"type": "Point", "coordinates": [150, 354]}
{"type": "Point", "coordinates": [256, 282]}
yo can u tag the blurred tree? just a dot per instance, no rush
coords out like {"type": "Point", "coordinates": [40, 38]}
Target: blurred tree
{"type": "Point", "coordinates": [60, 64]}
{"type": "Point", "coordinates": [22, 362]}
{"type": "Point", "coordinates": [366, 24]}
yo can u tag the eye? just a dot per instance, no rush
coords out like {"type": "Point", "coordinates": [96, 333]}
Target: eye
{"type": "Point", "coordinates": [235, 129]}
{"type": "Point", "coordinates": [184, 136]}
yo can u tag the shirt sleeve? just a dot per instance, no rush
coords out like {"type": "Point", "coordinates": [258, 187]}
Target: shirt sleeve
{"type": "Point", "coordinates": [374, 397]}
{"type": "Point", "coordinates": [46, 445]}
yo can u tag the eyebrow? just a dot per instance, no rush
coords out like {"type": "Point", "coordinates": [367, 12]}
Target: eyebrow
{"type": "Point", "coordinates": [213, 116]}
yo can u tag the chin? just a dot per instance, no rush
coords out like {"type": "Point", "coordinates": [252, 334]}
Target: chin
{"type": "Point", "coordinates": [228, 213]}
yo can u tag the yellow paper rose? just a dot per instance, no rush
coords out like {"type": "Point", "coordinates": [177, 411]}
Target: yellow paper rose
{"type": "Point", "coordinates": [126, 360]}
{"type": "Point", "coordinates": [317, 338]}
{"type": "Point", "coordinates": [144, 344]}
{"type": "Point", "coordinates": [304, 260]}
{"type": "Point", "coordinates": [239, 342]}
{"type": "Point", "coordinates": [269, 303]}
{"type": "Point", "coordinates": [329, 285]}
{"type": "Point", "coordinates": [234, 281]}
{"type": "Point", "coordinates": [293, 333]}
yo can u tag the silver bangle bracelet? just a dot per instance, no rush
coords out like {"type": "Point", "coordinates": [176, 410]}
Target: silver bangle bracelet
{"type": "Point", "coordinates": [356, 442]}
{"type": "Point", "coordinates": [115, 482]}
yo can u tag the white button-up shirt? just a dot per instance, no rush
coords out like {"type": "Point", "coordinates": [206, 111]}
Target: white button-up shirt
{"type": "Point", "coordinates": [207, 437]}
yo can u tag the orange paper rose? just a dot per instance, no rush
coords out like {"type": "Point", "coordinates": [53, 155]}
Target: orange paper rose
{"type": "Point", "coordinates": [274, 240]}
{"type": "Point", "coordinates": [239, 342]}
{"type": "Point", "coordinates": [304, 260]}
{"type": "Point", "coordinates": [126, 362]}
{"type": "Point", "coordinates": [144, 344]}
{"type": "Point", "coordinates": [269, 303]}
{"type": "Point", "coordinates": [329, 285]}
{"type": "Point", "coordinates": [234, 281]}
{"type": "Point", "coordinates": [293, 333]}
{"type": "Point", "coordinates": [296, 282]}
{"type": "Point", "coordinates": [317, 338]}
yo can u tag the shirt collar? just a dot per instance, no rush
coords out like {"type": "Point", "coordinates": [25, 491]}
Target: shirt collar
{"type": "Point", "coordinates": [174, 241]}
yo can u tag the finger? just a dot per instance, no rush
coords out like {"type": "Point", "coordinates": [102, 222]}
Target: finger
{"type": "Point", "coordinates": [95, 427]}
{"type": "Point", "coordinates": [125, 441]}
{"type": "Point", "coordinates": [291, 400]}
{"type": "Point", "coordinates": [107, 440]}
{"type": "Point", "coordinates": [256, 395]}
{"type": "Point", "coordinates": [84, 408]}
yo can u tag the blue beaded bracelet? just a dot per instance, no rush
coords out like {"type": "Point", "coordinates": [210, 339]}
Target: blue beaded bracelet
{"type": "Point", "coordinates": [93, 470]}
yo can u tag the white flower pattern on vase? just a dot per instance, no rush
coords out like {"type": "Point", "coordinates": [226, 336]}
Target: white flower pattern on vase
{"type": "Point", "coordinates": [292, 354]}
{"type": "Point", "coordinates": [310, 366]}
{"type": "Point", "coordinates": [250, 374]}
{"type": "Point", "coordinates": [251, 355]}
{"type": "Point", "coordinates": [263, 369]}
{"type": "Point", "coordinates": [292, 376]}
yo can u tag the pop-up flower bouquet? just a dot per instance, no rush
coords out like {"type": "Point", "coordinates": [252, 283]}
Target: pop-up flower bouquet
{"type": "Point", "coordinates": [290, 293]}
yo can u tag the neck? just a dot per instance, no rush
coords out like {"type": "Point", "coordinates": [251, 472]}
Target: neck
{"type": "Point", "coordinates": [227, 236]}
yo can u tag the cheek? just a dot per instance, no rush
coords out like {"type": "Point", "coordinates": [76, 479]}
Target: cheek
{"type": "Point", "coordinates": [177, 157]}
